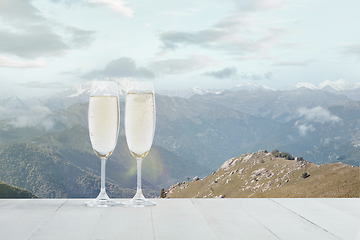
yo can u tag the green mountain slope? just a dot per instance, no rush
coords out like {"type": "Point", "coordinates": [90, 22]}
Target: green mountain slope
{"type": "Point", "coordinates": [8, 191]}
{"type": "Point", "coordinates": [205, 132]}
{"type": "Point", "coordinates": [160, 168]}
{"type": "Point", "coordinates": [47, 174]}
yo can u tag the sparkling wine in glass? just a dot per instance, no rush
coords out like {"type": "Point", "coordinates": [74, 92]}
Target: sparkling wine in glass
{"type": "Point", "coordinates": [104, 118]}
{"type": "Point", "coordinates": [139, 130]}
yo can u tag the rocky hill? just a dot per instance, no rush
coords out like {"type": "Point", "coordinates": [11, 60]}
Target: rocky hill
{"type": "Point", "coordinates": [275, 174]}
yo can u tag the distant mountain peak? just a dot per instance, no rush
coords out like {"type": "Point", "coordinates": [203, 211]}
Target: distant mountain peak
{"type": "Point", "coordinates": [249, 86]}
{"type": "Point", "coordinates": [337, 85]}
{"type": "Point", "coordinates": [306, 85]}
{"type": "Point", "coordinates": [80, 89]}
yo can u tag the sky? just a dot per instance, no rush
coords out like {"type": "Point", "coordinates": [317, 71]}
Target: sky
{"type": "Point", "coordinates": [47, 46]}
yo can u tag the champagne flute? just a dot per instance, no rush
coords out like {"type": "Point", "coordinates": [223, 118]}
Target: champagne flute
{"type": "Point", "coordinates": [139, 130]}
{"type": "Point", "coordinates": [104, 118]}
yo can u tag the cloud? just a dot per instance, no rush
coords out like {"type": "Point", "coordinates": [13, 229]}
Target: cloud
{"type": "Point", "coordinates": [303, 129]}
{"type": "Point", "coordinates": [244, 33]}
{"type": "Point", "coordinates": [75, 71]}
{"type": "Point", "coordinates": [117, 6]}
{"type": "Point", "coordinates": [37, 84]}
{"type": "Point", "coordinates": [35, 41]}
{"type": "Point", "coordinates": [224, 73]}
{"type": "Point", "coordinates": [291, 63]}
{"type": "Point", "coordinates": [121, 67]}
{"type": "Point", "coordinates": [27, 34]}
{"type": "Point", "coordinates": [294, 63]}
{"type": "Point", "coordinates": [7, 62]}
{"type": "Point", "coordinates": [235, 21]}
{"type": "Point", "coordinates": [352, 50]}
{"type": "Point", "coordinates": [318, 114]}
{"type": "Point", "coordinates": [182, 65]}
{"type": "Point", "coordinates": [256, 77]}
{"type": "Point", "coordinates": [259, 5]}
{"type": "Point", "coordinates": [233, 41]}
{"type": "Point", "coordinates": [175, 13]}
{"type": "Point", "coordinates": [41, 41]}
{"type": "Point", "coordinates": [72, 2]}
{"type": "Point", "coordinates": [35, 116]}
{"type": "Point", "coordinates": [206, 37]}
{"type": "Point", "coordinates": [77, 38]}
{"type": "Point", "coordinates": [231, 72]}
{"type": "Point", "coordinates": [18, 11]}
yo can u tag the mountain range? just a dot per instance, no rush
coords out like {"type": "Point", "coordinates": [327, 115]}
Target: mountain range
{"type": "Point", "coordinates": [194, 135]}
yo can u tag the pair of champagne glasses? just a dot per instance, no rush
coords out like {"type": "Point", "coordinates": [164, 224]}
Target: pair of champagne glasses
{"type": "Point", "coordinates": [104, 119]}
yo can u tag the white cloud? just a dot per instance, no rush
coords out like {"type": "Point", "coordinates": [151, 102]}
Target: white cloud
{"type": "Point", "coordinates": [318, 114]}
{"type": "Point", "coordinates": [34, 116]}
{"type": "Point", "coordinates": [256, 77]}
{"type": "Point", "coordinates": [121, 67]}
{"type": "Point", "coordinates": [293, 63]}
{"type": "Point", "coordinates": [231, 72]}
{"type": "Point", "coordinates": [303, 129]}
{"type": "Point", "coordinates": [7, 62]}
{"type": "Point", "coordinates": [260, 5]}
{"type": "Point", "coordinates": [117, 6]}
{"type": "Point", "coordinates": [352, 50]}
{"type": "Point", "coordinates": [38, 84]}
{"type": "Point", "coordinates": [245, 37]}
{"type": "Point", "coordinates": [182, 65]}
{"type": "Point", "coordinates": [26, 33]}
{"type": "Point", "coordinates": [224, 73]}
{"type": "Point", "coordinates": [235, 21]}
{"type": "Point", "coordinates": [18, 10]}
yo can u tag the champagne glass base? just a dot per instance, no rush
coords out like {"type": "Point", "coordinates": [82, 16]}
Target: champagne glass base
{"type": "Point", "coordinates": [138, 202]}
{"type": "Point", "coordinates": [102, 203]}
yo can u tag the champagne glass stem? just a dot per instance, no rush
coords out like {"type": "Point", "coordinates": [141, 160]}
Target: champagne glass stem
{"type": "Point", "coordinates": [103, 163]}
{"type": "Point", "coordinates": [139, 194]}
{"type": "Point", "coordinates": [102, 195]}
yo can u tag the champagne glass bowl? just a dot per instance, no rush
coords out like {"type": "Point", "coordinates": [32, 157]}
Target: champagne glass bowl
{"type": "Point", "coordinates": [139, 130]}
{"type": "Point", "coordinates": [104, 118]}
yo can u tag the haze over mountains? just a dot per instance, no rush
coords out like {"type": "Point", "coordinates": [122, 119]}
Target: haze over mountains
{"type": "Point", "coordinates": [196, 131]}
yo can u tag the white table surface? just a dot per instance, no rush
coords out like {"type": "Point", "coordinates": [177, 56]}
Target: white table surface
{"type": "Point", "coordinates": [233, 218]}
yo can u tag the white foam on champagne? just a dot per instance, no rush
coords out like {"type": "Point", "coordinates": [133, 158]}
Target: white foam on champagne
{"type": "Point", "coordinates": [139, 121]}
{"type": "Point", "coordinates": [103, 123]}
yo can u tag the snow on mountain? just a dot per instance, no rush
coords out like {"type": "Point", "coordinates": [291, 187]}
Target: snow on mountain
{"type": "Point", "coordinates": [306, 85]}
{"type": "Point", "coordinates": [79, 93]}
{"type": "Point", "coordinates": [339, 85]}
{"type": "Point", "coordinates": [80, 89]}
{"type": "Point", "coordinates": [249, 86]}
{"type": "Point", "coordinates": [186, 93]}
